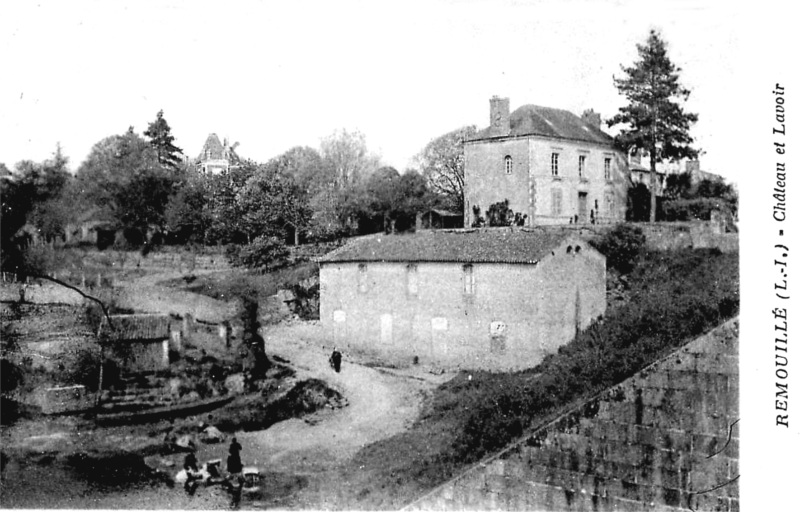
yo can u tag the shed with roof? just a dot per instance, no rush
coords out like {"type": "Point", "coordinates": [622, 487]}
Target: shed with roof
{"type": "Point", "coordinates": [488, 298]}
{"type": "Point", "coordinates": [139, 342]}
{"type": "Point", "coordinates": [552, 166]}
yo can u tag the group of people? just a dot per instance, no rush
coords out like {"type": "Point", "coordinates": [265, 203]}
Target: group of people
{"type": "Point", "coordinates": [233, 484]}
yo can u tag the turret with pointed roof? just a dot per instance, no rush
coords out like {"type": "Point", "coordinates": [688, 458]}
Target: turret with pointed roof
{"type": "Point", "coordinates": [216, 156]}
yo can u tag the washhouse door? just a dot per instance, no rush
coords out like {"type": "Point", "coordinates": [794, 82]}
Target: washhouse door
{"type": "Point", "coordinates": [386, 328]}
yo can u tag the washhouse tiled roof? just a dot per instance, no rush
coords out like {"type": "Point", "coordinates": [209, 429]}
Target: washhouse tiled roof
{"type": "Point", "coordinates": [548, 122]}
{"type": "Point", "coordinates": [494, 245]}
{"type": "Point", "coordinates": [137, 327]}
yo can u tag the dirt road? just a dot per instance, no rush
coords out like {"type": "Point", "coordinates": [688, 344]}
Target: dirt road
{"type": "Point", "coordinates": [381, 402]}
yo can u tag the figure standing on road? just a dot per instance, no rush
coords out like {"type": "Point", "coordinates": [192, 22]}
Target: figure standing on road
{"type": "Point", "coordinates": [192, 474]}
{"type": "Point", "coordinates": [335, 360]}
{"type": "Point", "coordinates": [234, 460]}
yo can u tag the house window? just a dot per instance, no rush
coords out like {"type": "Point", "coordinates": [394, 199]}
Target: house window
{"type": "Point", "coordinates": [411, 279]}
{"type": "Point", "coordinates": [469, 280]}
{"type": "Point", "coordinates": [507, 163]}
{"type": "Point", "coordinates": [362, 277]}
{"type": "Point", "coordinates": [556, 202]}
{"type": "Point", "coordinates": [554, 164]}
{"type": "Point", "coordinates": [582, 162]}
{"type": "Point", "coordinates": [608, 169]}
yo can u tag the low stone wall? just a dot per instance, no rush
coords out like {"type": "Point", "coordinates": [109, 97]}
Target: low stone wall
{"type": "Point", "coordinates": [691, 234]}
{"type": "Point", "coordinates": [665, 439]}
{"type": "Point", "coordinates": [39, 293]}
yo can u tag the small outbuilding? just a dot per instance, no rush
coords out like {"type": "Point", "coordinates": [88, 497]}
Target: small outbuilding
{"type": "Point", "coordinates": [139, 342]}
{"type": "Point", "coordinates": [497, 298]}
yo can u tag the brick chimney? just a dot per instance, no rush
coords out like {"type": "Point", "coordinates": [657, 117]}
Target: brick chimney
{"type": "Point", "coordinates": [592, 118]}
{"type": "Point", "coordinates": [499, 116]}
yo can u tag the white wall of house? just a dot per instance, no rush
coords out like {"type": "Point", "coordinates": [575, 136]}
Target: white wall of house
{"type": "Point", "coordinates": [533, 189]}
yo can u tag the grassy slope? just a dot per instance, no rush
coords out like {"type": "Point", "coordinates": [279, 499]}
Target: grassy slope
{"type": "Point", "coordinates": [672, 298]}
{"type": "Point", "coordinates": [238, 282]}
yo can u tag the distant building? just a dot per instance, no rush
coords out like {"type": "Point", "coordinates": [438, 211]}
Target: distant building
{"type": "Point", "coordinates": [492, 298]}
{"type": "Point", "coordinates": [640, 167]}
{"type": "Point", "coordinates": [216, 156]}
{"type": "Point", "coordinates": [437, 218]}
{"type": "Point", "coordinates": [552, 166]}
{"type": "Point", "coordinates": [640, 171]}
{"type": "Point", "coordinates": [140, 342]}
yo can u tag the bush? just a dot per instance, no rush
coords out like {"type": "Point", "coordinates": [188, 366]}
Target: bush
{"type": "Point", "coordinates": [622, 247]}
{"type": "Point", "coordinates": [82, 366]}
{"type": "Point", "coordinates": [265, 253]}
{"type": "Point", "coordinates": [693, 209]}
{"type": "Point", "coordinates": [499, 214]}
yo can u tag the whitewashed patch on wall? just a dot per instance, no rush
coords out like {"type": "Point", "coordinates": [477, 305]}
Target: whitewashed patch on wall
{"type": "Point", "coordinates": [439, 323]}
{"type": "Point", "coordinates": [339, 316]}
{"type": "Point", "coordinates": [497, 328]}
{"type": "Point", "coordinates": [386, 328]}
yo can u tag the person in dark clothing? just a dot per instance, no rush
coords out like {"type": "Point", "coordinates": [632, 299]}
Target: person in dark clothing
{"type": "Point", "coordinates": [192, 475]}
{"type": "Point", "coordinates": [234, 460]}
{"type": "Point", "coordinates": [190, 462]}
{"type": "Point", "coordinates": [335, 360]}
{"type": "Point", "coordinates": [235, 490]}
{"type": "Point", "coordinates": [235, 447]}
{"type": "Point", "coordinates": [234, 463]}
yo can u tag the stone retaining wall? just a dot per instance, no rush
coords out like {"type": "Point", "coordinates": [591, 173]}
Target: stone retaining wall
{"type": "Point", "coordinates": [665, 439]}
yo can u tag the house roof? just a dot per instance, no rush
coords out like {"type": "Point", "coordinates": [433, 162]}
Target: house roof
{"type": "Point", "coordinates": [548, 122]}
{"type": "Point", "coordinates": [137, 327]}
{"type": "Point", "coordinates": [494, 245]}
{"type": "Point", "coordinates": [214, 145]}
{"type": "Point", "coordinates": [445, 213]}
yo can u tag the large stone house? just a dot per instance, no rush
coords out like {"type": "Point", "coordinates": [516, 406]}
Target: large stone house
{"type": "Point", "coordinates": [491, 298]}
{"type": "Point", "coordinates": [216, 156]}
{"type": "Point", "coordinates": [552, 166]}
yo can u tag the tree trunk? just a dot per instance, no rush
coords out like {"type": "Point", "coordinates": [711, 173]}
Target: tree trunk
{"type": "Point", "coordinates": [652, 214]}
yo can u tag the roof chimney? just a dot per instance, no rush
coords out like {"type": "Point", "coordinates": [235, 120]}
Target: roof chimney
{"type": "Point", "coordinates": [592, 118]}
{"type": "Point", "coordinates": [499, 116]}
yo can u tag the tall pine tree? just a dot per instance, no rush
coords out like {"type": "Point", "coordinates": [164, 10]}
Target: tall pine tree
{"type": "Point", "coordinates": [654, 120]}
{"type": "Point", "coordinates": [160, 138]}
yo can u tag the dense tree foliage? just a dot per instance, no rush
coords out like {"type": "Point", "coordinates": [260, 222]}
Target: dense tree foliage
{"type": "Point", "coordinates": [390, 201]}
{"type": "Point", "coordinates": [442, 164]}
{"type": "Point", "coordinates": [159, 134]}
{"type": "Point", "coordinates": [697, 202]}
{"type": "Point", "coordinates": [34, 194]}
{"type": "Point", "coordinates": [346, 163]}
{"type": "Point", "coordinates": [123, 177]}
{"type": "Point", "coordinates": [272, 202]}
{"type": "Point", "coordinates": [187, 215]}
{"type": "Point", "coordinates": [653, 119]}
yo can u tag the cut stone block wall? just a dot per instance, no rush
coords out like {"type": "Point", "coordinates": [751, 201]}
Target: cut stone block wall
{"type": "Point", "coordinates": [665, 439]}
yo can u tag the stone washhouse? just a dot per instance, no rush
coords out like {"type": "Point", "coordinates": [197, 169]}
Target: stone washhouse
{"type": "Point", "coordinates": [497, 298]}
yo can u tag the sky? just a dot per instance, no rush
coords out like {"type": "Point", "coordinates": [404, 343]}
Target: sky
{"type": "Point", "coordinates": [275, 75]}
